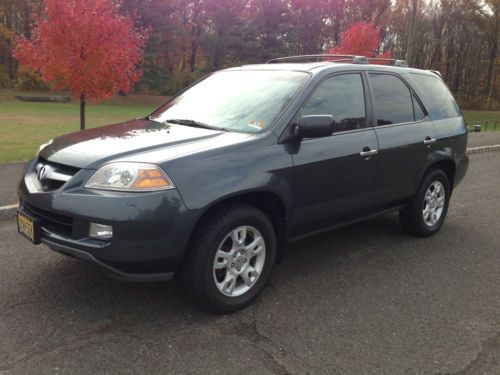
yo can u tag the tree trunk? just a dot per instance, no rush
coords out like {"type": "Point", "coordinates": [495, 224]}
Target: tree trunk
{"type": "Point", "coordinates": [490, 77]}
{"type": "Point", "coordinates": [195, 36]}
{"type": "Point", "coordinates": [490, 80]}
{"type": "Point", "coordinates": [409, 43]}
{"type": "Point", "coordinates": [82, 111]}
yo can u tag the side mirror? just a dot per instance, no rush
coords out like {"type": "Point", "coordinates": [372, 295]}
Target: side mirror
{"type": "Point", "coordinates": [314, 126]}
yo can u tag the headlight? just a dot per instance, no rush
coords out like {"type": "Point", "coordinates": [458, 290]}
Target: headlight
{"type": "Point", "coordinates": [130, 177]}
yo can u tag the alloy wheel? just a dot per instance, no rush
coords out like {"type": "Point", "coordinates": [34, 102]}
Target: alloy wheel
{"type": "Point", "coordinates": [239, 261]}
{"type": "Point", "coordinates": [433, 205]}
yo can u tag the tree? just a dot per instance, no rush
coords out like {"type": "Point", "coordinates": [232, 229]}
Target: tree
{"type": "Point", "coordinates": [86, 46]}
{"type": "Point", "coordinates": [224, 39]}
{"type": "Point", "coordinates": [15, 17]}
{"type": "Point", "coordinates": [487, 16]}
{"type": "Point", "coordinates": [309, 25]}
{"type": "Point", "coordinates": [189, 38]}
{"type": "Point", "coordinates": [361, 38]}
{"type": "Point", "coordinates": [271, 25]}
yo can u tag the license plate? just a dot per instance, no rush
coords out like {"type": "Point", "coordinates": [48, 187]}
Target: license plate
{"type": "Point", "coordinates": [28, 227]}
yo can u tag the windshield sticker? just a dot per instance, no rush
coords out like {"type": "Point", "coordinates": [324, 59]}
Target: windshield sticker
{"type": "Point", "coordinates": [257, 124]}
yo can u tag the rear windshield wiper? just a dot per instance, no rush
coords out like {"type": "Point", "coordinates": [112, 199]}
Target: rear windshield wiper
{"type": "Point", "coordinates": [194, 123]}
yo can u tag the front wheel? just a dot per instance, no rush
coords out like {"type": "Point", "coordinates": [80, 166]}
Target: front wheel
{"type": "Point", "coordinates": [426, 212]}
{"type": "Point", "coordinates": [231, 258]}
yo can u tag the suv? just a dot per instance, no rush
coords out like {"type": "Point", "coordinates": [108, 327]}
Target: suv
{"type": "Point", "coordinates": [214, 183]}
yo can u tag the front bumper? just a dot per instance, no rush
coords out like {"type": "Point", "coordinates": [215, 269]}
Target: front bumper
{"type": "Point", "coordinates": [113, 272]}
{"type": "Point", "coordinates": [150, 230]}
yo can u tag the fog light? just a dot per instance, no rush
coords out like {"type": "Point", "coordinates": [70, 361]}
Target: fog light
{"type": "Point", "coordinates": [101, 231]}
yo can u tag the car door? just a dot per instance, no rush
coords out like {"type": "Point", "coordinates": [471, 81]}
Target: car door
{"type": "Point", "coordinates": [334, 175]}
{"type": "Point", "coordinates": [405, 134]}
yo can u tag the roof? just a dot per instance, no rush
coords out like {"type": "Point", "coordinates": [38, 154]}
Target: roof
{"type": "Point", "coordinates": [326, 61]}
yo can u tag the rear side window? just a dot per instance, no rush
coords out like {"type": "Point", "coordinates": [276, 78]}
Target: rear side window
{"type": "Point", "coordinates": [393, 100]}
{"type": "Point", "coordinates": [419, 111]}
{"type": "Point", "coordinates": [441, 102]}
{"type": "Point", "coordinates": [341, 97]}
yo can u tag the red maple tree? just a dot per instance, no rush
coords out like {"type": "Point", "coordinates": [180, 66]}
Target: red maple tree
{"type": "Point", "coordinates": [361, 38]}
{"type": "Point", "coordinates": [86, 46]}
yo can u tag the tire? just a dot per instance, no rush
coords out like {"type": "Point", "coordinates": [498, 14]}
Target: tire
{"type": "Point", "coordinates": [417, 217]}
{"type": "Point", "coordinates": [228, 232]}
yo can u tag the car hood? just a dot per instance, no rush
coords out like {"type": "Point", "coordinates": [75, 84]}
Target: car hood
{"type": "Point", "coordinates": [93, 147]}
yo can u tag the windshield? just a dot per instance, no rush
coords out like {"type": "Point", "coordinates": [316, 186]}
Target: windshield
{"type": "Point", "coordinates": [242, 100]}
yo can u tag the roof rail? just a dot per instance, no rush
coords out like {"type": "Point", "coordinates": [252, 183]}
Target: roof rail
{"type": "Point", "coordinates": [319, 57]}
{"type": "Point", "coordinates": [339, 58]}
{"type": "Point", "coordinates": [436, 72]}
{"type": "Point", "coordinates": [394, 62]}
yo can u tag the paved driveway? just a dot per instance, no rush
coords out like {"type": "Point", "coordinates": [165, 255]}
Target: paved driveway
{"type": "Point", "coordinates": [484, 139]}
{"type": "Point", "coordinates": [362, 300]}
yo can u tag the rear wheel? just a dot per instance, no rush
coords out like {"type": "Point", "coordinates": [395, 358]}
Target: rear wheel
{"type": "Point", "coordinates": [231, 258]}
{"type": "Point", "coordinates": [425, 214]}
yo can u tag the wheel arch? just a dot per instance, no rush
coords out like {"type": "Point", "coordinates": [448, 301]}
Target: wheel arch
{"type": "Point", "coordinates": [448, 166]}
{"type": "Point", "coordinates": [270, 203]}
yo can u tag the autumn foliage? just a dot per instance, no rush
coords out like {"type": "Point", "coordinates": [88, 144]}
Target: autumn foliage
{"type": "Point", "coordinates": [189, 38]}
{"type": "Point", "coordinates": [84, 45]}
{"type": "Point", "coordinates": [361, 38]}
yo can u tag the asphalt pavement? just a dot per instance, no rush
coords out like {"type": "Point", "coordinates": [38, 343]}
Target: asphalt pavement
{"type": "Point", "coordinates": [10, 174]}
{"type": "Point", "coordinates": [367, 299]}
{"type": "Point", "coordinates": [484, 139]}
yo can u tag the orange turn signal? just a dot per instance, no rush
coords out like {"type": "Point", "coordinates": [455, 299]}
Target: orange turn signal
{"type": "Point", "coordinates": [150, 178]}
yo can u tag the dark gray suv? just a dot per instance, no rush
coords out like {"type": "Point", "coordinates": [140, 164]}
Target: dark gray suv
{"type": "Point", "coordinates": [214, 184]}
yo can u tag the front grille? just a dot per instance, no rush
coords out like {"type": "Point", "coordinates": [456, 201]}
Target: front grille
{"type": "Point", "coordinates": [51, 176]}
{"type": "Point", "coordinates": [53, 222]}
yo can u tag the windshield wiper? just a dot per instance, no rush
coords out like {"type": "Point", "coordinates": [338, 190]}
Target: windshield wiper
{"type": "Point", "coordinates": [194, 123]}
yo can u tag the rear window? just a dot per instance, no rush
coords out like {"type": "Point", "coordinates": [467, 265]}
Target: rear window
{"type": "Point", "coordinates": [441, 103]}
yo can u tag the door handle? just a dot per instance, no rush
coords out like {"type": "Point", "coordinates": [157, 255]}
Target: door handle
{"type": "Point", "coordinates": [429, 140]}
{"type": "Point", "coordinates": [367, 152]}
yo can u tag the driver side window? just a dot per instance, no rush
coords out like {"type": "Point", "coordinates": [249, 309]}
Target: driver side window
{"type": "Point", "coordinates": [341, 97]}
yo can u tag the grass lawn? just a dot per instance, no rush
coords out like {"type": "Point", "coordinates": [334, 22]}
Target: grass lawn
{"type": "Point", "coordinates": [24, 126]}
{"type": "Point", "coordinates": [486, 118]}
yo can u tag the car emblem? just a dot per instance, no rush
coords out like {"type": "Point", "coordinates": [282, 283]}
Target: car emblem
{"type": "Point", "coordinates": [42, 173]}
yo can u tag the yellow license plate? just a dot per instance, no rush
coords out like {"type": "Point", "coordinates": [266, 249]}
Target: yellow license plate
{"type": "Point", "coordinates": [27, 227]}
